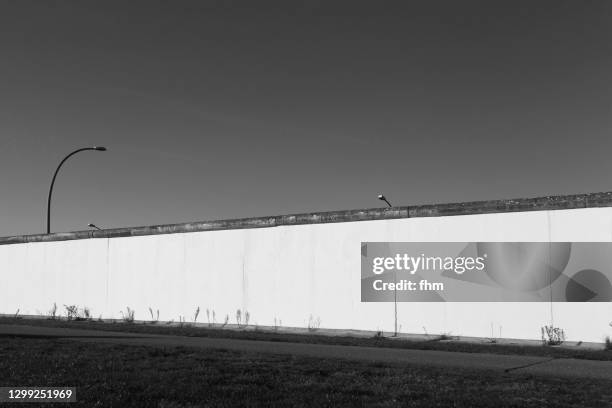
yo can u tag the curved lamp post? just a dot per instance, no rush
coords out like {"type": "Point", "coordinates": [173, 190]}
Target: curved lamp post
{"type": "Point", "coordinates": [98, 148]}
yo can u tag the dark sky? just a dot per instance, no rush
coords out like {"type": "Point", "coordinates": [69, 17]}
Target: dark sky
{"type": "Point", "coordinates": [232, 109]}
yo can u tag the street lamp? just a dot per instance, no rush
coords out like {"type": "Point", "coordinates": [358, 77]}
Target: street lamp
{"type": "Point", "coordinates": [381, 197]}
{"type": "Point", "coordinates": [90, 225]}
{"type": "Point", "coordinates": [98, 148]}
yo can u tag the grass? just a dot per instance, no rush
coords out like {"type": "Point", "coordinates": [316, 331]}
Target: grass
{"type": "Point", "coordinates": [436, 343]}
{"type": "Point", "coordinates": [134, 376]}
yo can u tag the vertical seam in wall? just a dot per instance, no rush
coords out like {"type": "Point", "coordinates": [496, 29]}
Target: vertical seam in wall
{"type": "Point", "coordinates": [244, 284]}
{"type": "Point", "coordinates": [184, 274]}
{"type": "Point", "coordinates": [106, 307]}
{"type": "Point", "coordinates": [243, 301]}
{"type": "Point", "coordinates": [312, 274]}
{"type": "Point", "coordinates": [550, 268]}
{"type": "Point", "coordinates": [46, 273]}
{"type": "Point", "coordinates": [25, 262]}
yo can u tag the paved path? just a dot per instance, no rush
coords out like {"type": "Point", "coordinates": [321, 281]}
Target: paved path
{"type": "Point", "coordinates": [560, 367]}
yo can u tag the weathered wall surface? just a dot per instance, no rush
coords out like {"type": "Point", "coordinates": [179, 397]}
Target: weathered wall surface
{"type": "Point", "coordinates": [290, 272]}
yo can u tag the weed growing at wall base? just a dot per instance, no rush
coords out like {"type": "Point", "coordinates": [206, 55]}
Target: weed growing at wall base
{"type": "Point", "coordinates": [128, 317]}
{"type": "Point", "coordinates": [154, 319]}
{"type": "Point", "coordinates": [53, 312]}
{"type": "Point", "coordinates": [552, 336]}
{"type": "Point", "coordinates": [314, 323]}
{"type": "Point", "coordinates": [239, 318]}
{"type": "Point", "coordinates": [72, 312]}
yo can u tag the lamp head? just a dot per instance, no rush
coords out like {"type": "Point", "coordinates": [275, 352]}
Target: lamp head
{"type": "Point", "coordinates": [381, 197]}
{"type": "Point", "coordinates": [100, 148]}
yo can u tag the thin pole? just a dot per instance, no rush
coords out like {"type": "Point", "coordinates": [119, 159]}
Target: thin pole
{"type": "Point", "coordinates": [395, 301]}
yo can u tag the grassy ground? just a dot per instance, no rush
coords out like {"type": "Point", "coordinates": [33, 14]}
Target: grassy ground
{"type": "Point", "coordinates": [433, 344]}
{"type": "Point", "coordinates": [129, 376]}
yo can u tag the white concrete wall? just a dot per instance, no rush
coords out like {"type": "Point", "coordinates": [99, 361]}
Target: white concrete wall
{"type": "Point", "coordinates": [291, 273]}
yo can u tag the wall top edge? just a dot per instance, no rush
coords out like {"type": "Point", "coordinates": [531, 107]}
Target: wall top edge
{"type": "Point", "coordinates": [565, 202]}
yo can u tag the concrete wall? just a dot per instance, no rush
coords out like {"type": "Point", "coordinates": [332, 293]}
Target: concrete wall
{"type": "Point", "coordinates": [290, 272]}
